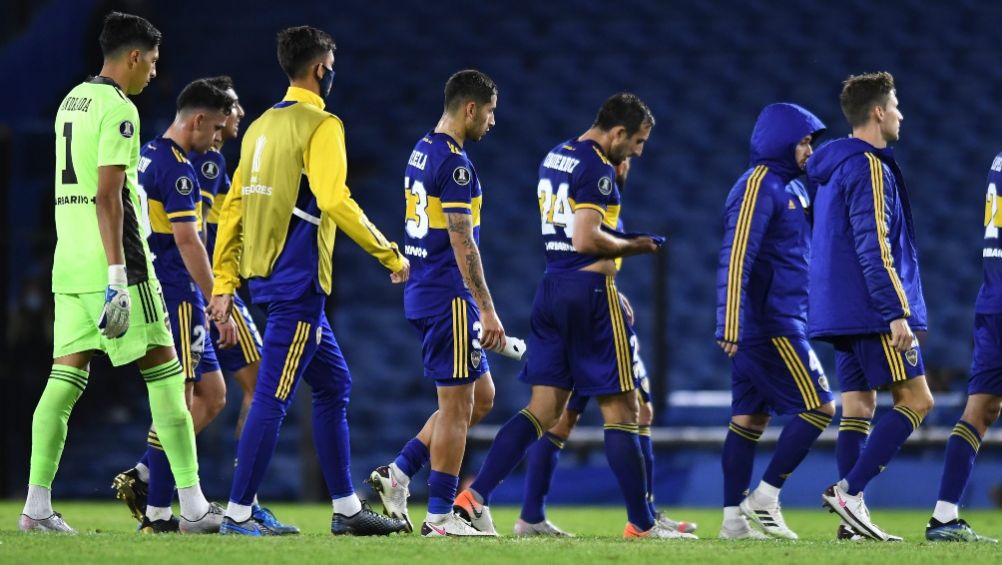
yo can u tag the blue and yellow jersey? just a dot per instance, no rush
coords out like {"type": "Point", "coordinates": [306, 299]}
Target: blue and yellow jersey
{"type": "Point", "coordinates": [575, 174]}
{"type": "Point", "coordinates": [990, 295]}
{"type": "Point", "coordinates": [215, 183]}
{"type": "Point", "coordinates": [171, 195]}
{"type": "Point", "coordinates": [439, 180]}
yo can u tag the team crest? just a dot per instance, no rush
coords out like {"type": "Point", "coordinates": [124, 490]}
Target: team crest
{"type": "Point", "coordinates": [461, 175]}
{"type": "Point", "coordinates": [320, 334]}
{"type": "Point", "coordinates": [475, 356]}
{"type": "Point", "coordinates": [184, 186]}
{"type": "Point", "coordinates": [912, 356]}
{"type": "Point", "coordinates": [605, 186]}
{"type": "Point", "coordinates": [126, 129]}
{"type": "Point", "coordinates": [823, 383]}
{"type": "Point", "coordinates": [210, 170]}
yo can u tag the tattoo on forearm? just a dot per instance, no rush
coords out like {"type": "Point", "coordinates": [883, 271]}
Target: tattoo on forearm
{"type": "Point", "coordinates": [468, 253]}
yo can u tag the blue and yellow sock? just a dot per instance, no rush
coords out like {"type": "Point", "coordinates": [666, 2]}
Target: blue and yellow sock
{"type": "Point", "coordinates": [961, 449]}
{"type": "Point", "coordinates": [737, 460]}
{"type": "Point", "coordinates": [441, 492]}
{"type": "Point", "coordinates": [509, 447]}
{"type": "Point", "coordinates": [161, 486]}
{"type": "Point", "coordinates": [852, 435]}
{"type": "Point", "coordinates": [796, 440]}
{"type": "Point", "coordinates": [540, 464]}
{"type": "Point", "coordinates": [412, 457]}
{"type": "Point", "coordinates": [887, 438]}
{"type": "Point", "coordinates": [647, 450]}
{"type": "Point", "coordinates": [622, 449]}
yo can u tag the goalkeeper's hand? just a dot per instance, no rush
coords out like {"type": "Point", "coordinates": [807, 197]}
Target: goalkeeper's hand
{"type": "Point", "coordinates": [114, 320]}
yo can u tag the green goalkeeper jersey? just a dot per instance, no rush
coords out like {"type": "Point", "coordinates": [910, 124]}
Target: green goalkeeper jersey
{"type": "Point", "coordinates": [96, 126]}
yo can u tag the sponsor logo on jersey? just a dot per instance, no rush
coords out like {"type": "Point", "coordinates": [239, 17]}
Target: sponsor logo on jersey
{"type": "Point", "coordinates": [210, 170]}
{"type": "Point", "coordinates": [126, 129]}
{"type": "Point", "coordinates": [461, 175]}
{"type": "Point", "coordinates": [605, 186]}
{"type": "Point", "coordinates": [184, 186]}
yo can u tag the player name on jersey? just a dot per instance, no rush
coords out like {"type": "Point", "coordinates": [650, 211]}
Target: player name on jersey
{"type": "Point", "coordinates": [75, 104]}
{"type": "Point", "coordinates": [561, 163]}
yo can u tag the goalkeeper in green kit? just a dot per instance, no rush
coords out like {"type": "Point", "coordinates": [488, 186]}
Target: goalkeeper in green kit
{"type": "Point", "coordinates": [107, 297]}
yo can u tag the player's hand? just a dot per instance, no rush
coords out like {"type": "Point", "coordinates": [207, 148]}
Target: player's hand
{"type": "Point", "coordinates": [403, 274]}
{"type": "Point", "coordinates": [219, 308]}
{"type": "Point", "coordinates": [114, 321]}
{"type": "Point", "coordinates": [645, 244]}
{"type": "Point", "coordinates": [901, 335]}
{"type": "Point", "coordinates": [492, 332]}
{"type": "Point", "coordinates": [227, 333]}
{"type": "Point", "coordinates": [627, 308]}
{"type": "Point", "coordinates": [729, 347]}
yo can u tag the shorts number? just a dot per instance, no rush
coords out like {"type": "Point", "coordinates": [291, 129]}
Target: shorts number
{"type": "Point", "coordinates": [991, 210]}
{"type": "Point", "coordinates": [555, 208]}
{"type": "Point", "coordinates": [477, 328]}
{"type": "Point", "coordinates": [417, 209]}
{"type": "Point", "coordinates": [814, 363]}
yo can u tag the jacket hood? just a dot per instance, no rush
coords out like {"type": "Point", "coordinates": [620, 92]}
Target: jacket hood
{"type": "Point", "coordinates": [831, 154]}
{"type": "Point", "coordinates": [778, 130]}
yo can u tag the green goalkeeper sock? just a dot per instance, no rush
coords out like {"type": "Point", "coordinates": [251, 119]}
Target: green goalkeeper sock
{"type": "Point", "coordinates": [172, 420]}
{"type": "Point", "coordinates": [48, 426]}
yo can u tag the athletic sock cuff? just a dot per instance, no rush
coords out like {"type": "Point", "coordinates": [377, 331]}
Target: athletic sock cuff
{"type": "Point", "coordinates": [70, 375]}
{"type": "Point", "coordinates": [160, 372]}
{"type": "Point", "coordinates": [627, 428]}
{"type": "Point", "coordinates": [966, 432]}
{"type": "Point", "coordinates": [817, 419]}
{"type": "Point", "coordinates": [645, 430]}
{"type": "Point", "coordinates": [850, 424]}
{"type": "Point", "coordinates": [555, 440]}
{"type": "Point", "coordinates": [535, 423]}
{"type": "Point", "coordinates": [912, 415]}
{"type": "Point", "coordinates": [747, 433]}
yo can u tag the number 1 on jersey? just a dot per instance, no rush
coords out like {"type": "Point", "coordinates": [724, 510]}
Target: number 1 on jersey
{"type": "Point", "coordinates": [69, 176]}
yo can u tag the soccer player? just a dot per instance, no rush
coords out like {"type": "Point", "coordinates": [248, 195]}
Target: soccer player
{"type": "Point", "coordinates": [984, 390]}
{"type": "Point", "coordinates": [171, 201]}
{"type": "Point", "coordinates": [866, 293]}
{"type": "Point", "coordinates": [107, 296]}
{"type": "Point", "coordinates": [277, 231]}
{"type": "Point", "coordinates": [541, 459]}
{"type": "Point", "coordinates": [448, 302]}
{"type": "Point", "coordinates": [579, 340]}
{"type": "Point", "coordinates": [762, 320]}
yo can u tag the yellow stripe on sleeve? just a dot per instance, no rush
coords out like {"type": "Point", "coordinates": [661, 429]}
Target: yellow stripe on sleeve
{"type": "Point", "coordinates": [732, 311]}
{"type": "Point", "coordinates": [877, 181]}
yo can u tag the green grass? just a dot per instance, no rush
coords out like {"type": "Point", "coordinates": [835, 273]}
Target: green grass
{"type": "Point", "coordinates": [108, 536]}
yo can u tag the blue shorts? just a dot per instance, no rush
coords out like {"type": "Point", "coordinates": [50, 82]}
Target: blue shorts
{"type": "Point", "coordinates": [248, 347]}
{"type": "Point", "coordinates": [450, 345]}
{"type": "Point", "coordinates": [299, 345]}
{"type": "Point", "coordinates": [191, 340]}
{"type": "Point", "coordinates": [986, 368]}
{"type": "Point", "coordinates": [577, 402]}
{"type": "Point", "coordinates": [578, 338]}
{"type": "Point", "coordinates": [778, 376]}
{"type": "Point", "coordinates": [868, 362]}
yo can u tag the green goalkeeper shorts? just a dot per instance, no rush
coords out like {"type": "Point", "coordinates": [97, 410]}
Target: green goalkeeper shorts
{"type": "Point", "coordinates": [76, 329]}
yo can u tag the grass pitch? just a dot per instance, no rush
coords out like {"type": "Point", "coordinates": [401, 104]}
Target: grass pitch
{"type": "Point", "coordinates": [107, 535]}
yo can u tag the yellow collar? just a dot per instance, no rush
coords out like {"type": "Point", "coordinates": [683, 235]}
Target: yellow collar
{"type": "Point", "coordinates": [305, 96]}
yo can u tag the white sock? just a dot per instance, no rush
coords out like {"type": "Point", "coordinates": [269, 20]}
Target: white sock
{"type": "Point", "coordinates": [238, 512]}
{"type": "Point", "coordinates": [766, 492]}
{"type": "Point", "coordinates": [154, 513]}
{"type": "Point", "coordinates": [435, 518]}
{"type": "Point", "coordinates": [38, 505]}
{"type": "Point", "coordinates": [399, 475]}
{"type": "Point", "coordinates": [255, 503]}
{"type": "Point", "coordinates": [144, 472]}
{"type": "Point", "coordinates": [844, 485]}
{"type": "Point", "coordinates": [347, 505]}
{"type": "Point", "coordinates": [944, 512]}
{"type": "Point", "coordinates": [193, 503]}
{"type": "Point", "coordinates": [731, 513]}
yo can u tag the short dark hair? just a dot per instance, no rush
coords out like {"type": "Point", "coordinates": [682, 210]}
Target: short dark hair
{"type": "Point", "coordinates": [202, 95]}
{"type": "Point", "coordinates": [469, 84]}
{"type": "Point", "coordinates": [222, 82]}
{"type": "Point", "coordinates": [860, 93]}
{"type": "Point", "coordinates": [624, 109]}
{"type": "Point", "coordinates": [299, 46]}
{"type": "Point", "coordinates": [125, 31]}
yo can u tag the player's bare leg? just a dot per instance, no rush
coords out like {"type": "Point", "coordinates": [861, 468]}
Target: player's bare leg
{"type": "Point", "coordinates": [246, 377]}
{"type": "Point", "coordinates": [208, 399]}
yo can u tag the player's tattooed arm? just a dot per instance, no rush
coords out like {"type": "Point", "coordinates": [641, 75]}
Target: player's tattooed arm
{"type": "Point", "coordinates": [468, 260]}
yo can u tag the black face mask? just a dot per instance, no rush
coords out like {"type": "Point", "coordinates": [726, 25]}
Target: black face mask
{"type": "Point", "coordinates": [327, 82]}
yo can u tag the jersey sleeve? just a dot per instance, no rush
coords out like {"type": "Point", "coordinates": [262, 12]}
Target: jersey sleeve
{"type": "Point", "coordinates": [116, 140]}
{"type": "Point", "coordinates": [593, 186]}
{"type": "Point", "coordinates": [179, 190]}
{"type": "Point", "coordinates": [455, 178]}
